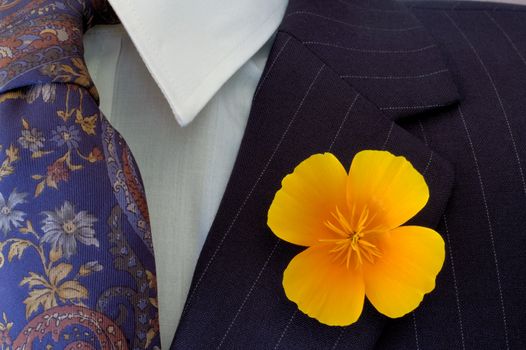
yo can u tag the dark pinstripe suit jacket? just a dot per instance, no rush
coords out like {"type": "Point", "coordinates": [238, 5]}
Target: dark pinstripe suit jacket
{"type": "Point", "coordinates": [443, 84]}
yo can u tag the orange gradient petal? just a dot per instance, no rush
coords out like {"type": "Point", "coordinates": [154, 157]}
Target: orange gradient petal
{"type": "Point", "coordinates": [307, 199]}
{"type": "Point", "coordinates": [387, 186]}
{"type": "Point", "coordinates": [324, 288]}
{"type": "Point", "coordinates": [411, 258]}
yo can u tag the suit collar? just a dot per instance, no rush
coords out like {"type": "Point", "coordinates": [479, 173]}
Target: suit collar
{"type": "Point", "coordinates": [378, 47]}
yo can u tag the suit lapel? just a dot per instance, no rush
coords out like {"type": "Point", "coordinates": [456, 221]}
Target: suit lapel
{"type": "Point", "coordinates": [379, 48]}
{"type": "Point", "coordinates": [305, 105]}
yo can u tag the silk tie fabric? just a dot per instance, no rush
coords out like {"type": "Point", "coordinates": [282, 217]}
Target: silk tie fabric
{"type": "Point", "coordinates": [76, 259]}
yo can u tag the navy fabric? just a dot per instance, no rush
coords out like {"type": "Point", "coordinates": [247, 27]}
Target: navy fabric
{"type": "Point", "coordinates": [440, 83]}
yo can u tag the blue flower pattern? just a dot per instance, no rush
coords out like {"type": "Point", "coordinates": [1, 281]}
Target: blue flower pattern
{"type": "Point", "coordinates": [9, 216]}
{"type": "Point", "coordinates": [64, 135]}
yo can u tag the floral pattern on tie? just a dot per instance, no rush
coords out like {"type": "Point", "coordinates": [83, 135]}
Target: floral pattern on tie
{"type": "Point", "coordinates": [76, 256]}
{"type": "Point", "coordinates": [43, 38]}
{"type": "Point", "coordinates": [77, 269]}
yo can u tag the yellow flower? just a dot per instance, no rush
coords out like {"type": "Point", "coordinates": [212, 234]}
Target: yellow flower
{"type": "Point", "coordinates": [351, 224]}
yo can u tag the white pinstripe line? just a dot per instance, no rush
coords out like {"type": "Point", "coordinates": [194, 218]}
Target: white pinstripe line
{"type": "Point", "coordinates": [343, 121]}
{"type": "Point", "coordinates": [507, 37]}
{"type": "Point", "coordinates": [372, 9]}
{"type": "Point", "coordinates": [308, 13]}
{"type": "Point", "coordinates": [278, 242]}
{"type": "Point", "coordinates": [285, 329]}
{"type": "Point", "coordinates": [248, 294]}
{"type": "Point", "coordinates": [490, 226]}
{"type": "Point", "coordinates": [428, 163]}
{"type": "Point", "coordinates": [388, 136]}
{"type": "Point", "coordinates": [394, 77]}
{"type": "Point", "coordinates": [370, 50]}
{"type": "Point", "coordinates": [243, 204]}
{"type": "Point", "coordinates": [416, 331]}
{"type": "Point", "coordinates": [271, 66]}
{"type": "Point", "coordinates": [455, 284]}
{"type": "Point", "coordinates": [338, 339]}
{"type": "Point", "coordinates": [410, 107]}
{"type": "Point", "coordinates": [508, 125]}
{"type": "Point", "coordinates": [423, 132]}
{"type": "Point", "coordinates": [425, 171]}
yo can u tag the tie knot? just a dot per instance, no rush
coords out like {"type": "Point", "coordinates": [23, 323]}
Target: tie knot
{"type": "Point", "coordinates": [41, 41]}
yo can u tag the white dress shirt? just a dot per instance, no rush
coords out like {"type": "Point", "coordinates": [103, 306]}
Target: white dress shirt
{"type": "Point", "coordinates": [177, 80]}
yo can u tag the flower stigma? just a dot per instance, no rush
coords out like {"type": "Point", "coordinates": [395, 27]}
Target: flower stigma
{"type": "Point", "coordinates": [353, 242]}
{"type": "Point", "coordinates": [5, 210]}
{"type": "Point", "coordinates": [69, 227]}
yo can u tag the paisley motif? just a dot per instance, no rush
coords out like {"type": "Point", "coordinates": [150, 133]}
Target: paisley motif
{"type": "Point", "coordinates": [123, 175]}
{"type": "Point", "coordinates": [71, 322]}
{"type": "Point", "coordinates": [38, 34]}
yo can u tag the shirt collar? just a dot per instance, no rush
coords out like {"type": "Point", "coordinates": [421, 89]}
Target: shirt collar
{"type": "Point", "coordinates": [192, 48]}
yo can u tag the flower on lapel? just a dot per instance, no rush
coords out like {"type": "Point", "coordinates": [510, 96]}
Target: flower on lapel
{"type": "Point", "coordinates": [352, 225]}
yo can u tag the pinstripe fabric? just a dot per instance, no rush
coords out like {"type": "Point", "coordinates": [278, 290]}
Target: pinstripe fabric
{"type": "Point", "coordinates": [379, 48]}
{"type": "Point", "coordinates": [479, 302]}
{"type": "Point", "coordinates": [347, 75]}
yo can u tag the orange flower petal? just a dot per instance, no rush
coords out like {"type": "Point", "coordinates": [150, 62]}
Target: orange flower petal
{"type": "Point", "coordinates": [324, 288]}
{"type": "Point", "coordinates": [411, 258]}
{"type": "Point", "coordinates": [389, 187]}
{"type": "Point", "coordinates": [307, 199]}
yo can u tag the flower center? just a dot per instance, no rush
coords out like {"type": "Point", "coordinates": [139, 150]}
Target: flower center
{"type": "Point", "coordinates": [354, 243]}
{"type": "Point", "coordinates": [69, 227]}
{"type": "Point", "coordinates": [66, 135]}
{"type": "Point", "coordinates": [5, 210]}
{"type": "Point", "coordinates": [31, 139]}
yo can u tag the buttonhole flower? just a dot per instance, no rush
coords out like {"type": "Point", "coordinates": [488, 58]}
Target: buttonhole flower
{"type": "Point", "coordinates": [64, 227]}
{"type": "Point", "coordinates": [351, 223]}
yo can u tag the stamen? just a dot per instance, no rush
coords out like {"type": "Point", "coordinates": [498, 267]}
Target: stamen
{"type": "Point", "coordinates": [352, 242]}
{"type": "Point", "coordinates": [334, 228]}
{"type": "Point", "coordinates": [343, 221]}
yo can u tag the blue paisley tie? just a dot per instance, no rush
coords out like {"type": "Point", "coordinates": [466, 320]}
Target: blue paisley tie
{"type": "Point", "coordinates": [76, 261]}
